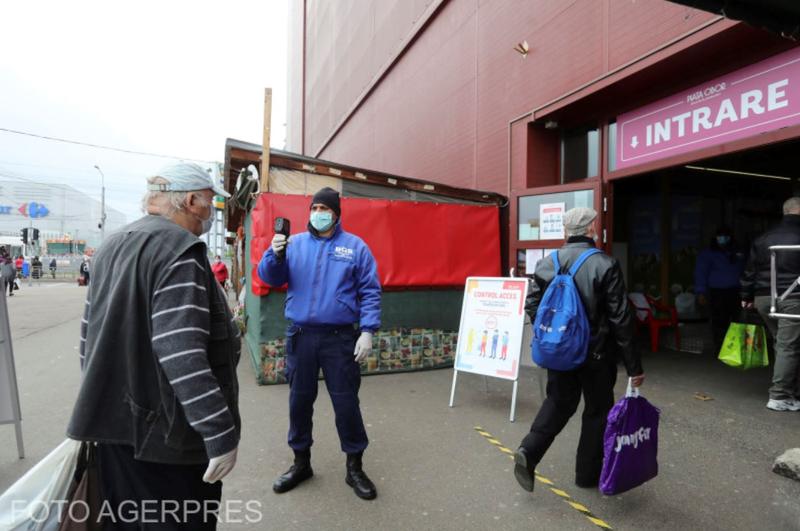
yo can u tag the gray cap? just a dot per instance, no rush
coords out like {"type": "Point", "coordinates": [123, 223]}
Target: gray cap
{"type": "Point", "coordinates": [578, 218]}
{"type": "Point", "coordinates": [186, 177]}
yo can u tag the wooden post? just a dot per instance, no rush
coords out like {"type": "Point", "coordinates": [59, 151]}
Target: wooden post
{"type": "Point", "coordinates": [264, 170]}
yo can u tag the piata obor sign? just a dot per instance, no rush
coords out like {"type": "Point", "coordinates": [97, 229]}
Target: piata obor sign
{"type": "Point", "coordinates": [760, 98]}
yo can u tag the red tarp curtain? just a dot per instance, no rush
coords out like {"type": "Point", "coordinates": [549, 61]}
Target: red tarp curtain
{"type": "Point", "coordinates": [414, 244]}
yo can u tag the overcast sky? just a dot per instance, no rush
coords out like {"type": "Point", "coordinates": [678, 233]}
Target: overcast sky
{"type": "Point", "coordinates": [168, 77]}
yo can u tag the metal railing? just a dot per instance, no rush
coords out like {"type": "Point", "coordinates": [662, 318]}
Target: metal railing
{"type": "Point", "coordinates": [773, 283]}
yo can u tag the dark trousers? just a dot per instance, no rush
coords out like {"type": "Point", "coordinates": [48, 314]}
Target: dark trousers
{"type": "Point", "coordinates": [724, 307]}
{"type": "Point", "coordinates": [331, 349]}
{"type": "Point", "coordinates": [10, 286]}
{"type": "Point", "coordinates": [595, 380]}
{"type": "Point", "coordinates": [137, 490]}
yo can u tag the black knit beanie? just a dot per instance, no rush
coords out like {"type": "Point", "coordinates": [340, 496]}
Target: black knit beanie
{"type": "Point", "coordinates": [328, 197]}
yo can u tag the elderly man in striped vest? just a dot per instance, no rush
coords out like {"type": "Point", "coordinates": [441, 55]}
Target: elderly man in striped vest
{"type": "Point", "coordinates": [159, 351]}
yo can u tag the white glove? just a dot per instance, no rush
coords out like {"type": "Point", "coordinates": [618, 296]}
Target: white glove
{"type": "Point", "coordinates": [363, 346]}
{"type": "Point", "coordinates": [279, 242]}
{"type": "Point", "coordinates": [220, 466]}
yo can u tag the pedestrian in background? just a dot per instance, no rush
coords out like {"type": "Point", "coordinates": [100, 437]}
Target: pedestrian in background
{"type": "Point", "coordinates": [159, 351]}
{"type": "Point", "coordinates": [7, 271]}
{"type": "Point", "coordinates": [334, 307]}
{"type": "Point", "coordinates": [602, 291]}
{"type": "Point", "coordinates": [84, 271]}
{"type": "Point", "coordinates": [716, 281]}
{"type": "Point", "coordinates": [53, 267]}
{"type": "Point", "coordinates": [784, 392]}
{"type": "Point", "coordinates": [220, 270]}
{"type": "Point", "coordinates": [36, 268]}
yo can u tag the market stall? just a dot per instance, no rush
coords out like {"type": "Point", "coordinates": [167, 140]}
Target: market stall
{"type": "Point", "coordinates": [426, 241]}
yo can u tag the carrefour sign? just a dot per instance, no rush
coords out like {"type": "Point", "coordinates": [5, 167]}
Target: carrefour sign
{"type": "Point", "coordinates": [33, 210]}
{"type": "Point", "coordinates": [29, 210]}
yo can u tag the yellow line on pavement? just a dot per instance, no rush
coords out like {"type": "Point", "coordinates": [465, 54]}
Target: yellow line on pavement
{"type": "Point", "coordinates": [578, 506]}
{"type": "Point", "coordinates": [563, 494]}
{"type": "Point", "coordinates": [598, 522]}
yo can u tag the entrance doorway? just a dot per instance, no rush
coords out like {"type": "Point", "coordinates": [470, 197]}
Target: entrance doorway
{"type": "Point", "coordinates": [676, 212]}
{"type": "Point", "coordinates": [662, 220]}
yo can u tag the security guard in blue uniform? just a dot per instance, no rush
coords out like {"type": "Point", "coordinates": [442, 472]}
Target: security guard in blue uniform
{"type": "Point", "coordinates": [334, 305]}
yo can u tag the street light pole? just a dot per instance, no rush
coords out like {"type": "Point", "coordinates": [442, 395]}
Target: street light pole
{"type": "Point", "coordinates": [102, 204]}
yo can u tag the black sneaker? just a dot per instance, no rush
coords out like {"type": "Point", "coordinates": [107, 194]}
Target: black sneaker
{"type": "Point", "coordinates": [524, 475]}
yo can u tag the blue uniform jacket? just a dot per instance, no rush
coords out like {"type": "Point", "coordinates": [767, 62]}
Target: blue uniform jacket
{"type": "Point", "coordinates": [332, 281]}
{"type": "Point", "coordinates": [714, 270]}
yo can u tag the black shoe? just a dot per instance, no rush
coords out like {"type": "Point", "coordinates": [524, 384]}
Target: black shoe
{"type": "Point", "coordinates": [592, 484]}
{"type": "Point", "coordinates": [297, 473]}
{"type": "Point", "coordinates": [356, 478]}
{"type": "Point", "coordinates": [524, 475]}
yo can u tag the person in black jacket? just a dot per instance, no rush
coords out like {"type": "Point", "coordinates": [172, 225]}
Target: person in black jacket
{"type": "Point", "coordinates": [783, 394]}
{"type": "Point", "coordinates": [602, 290]}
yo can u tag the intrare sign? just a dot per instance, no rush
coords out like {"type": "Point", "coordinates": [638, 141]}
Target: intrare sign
{"type": "Point", "coordinates": [760, 98]}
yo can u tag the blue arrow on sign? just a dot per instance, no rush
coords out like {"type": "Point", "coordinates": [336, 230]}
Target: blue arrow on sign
{"type": "Point", "coordinates": [36, 210]}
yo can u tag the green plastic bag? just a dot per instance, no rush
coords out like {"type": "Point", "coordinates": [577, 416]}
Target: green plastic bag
{"type": "Point", "coordinates": [745, 346]}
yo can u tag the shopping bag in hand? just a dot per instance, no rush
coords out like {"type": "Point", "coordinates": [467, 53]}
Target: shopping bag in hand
{"type": "Point", "coordinates": [630, 447]}
{"type": "Point", "coordinates": [745, 346]}
{"type": "Point", "coordinates": [34, 500]}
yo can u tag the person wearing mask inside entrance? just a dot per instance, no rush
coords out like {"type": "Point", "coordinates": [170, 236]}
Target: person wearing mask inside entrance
{"type": "Point", "coordinates": [601, 288]}
{"type": "Point", "coordinates": [333, 288]}
{"type": "Point", "coordinates": [784, 394]}
{"type": "Point", "coordinates": [716, 282]}
{"type": "Point", "coordinates": [158, 353]}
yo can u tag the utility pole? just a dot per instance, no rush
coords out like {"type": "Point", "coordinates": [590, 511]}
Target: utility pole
{"type": "Point", "coordinates": [102, 204]}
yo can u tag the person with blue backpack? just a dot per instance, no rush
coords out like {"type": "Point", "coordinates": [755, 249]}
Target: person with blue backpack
{"type": "Point", "coordinates": [582, 324]}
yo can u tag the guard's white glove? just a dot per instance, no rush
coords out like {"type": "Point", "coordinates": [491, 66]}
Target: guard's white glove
{"type": "Point", "coordinates": [220, 466]}
{"type": "Point", "coordinates": [279, 242]}
{"type": "Point", "coordinates": [363, 346]}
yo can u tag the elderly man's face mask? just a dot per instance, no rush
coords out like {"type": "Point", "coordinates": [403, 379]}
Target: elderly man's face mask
{"type": "Point", "coordinates": [207, 222]}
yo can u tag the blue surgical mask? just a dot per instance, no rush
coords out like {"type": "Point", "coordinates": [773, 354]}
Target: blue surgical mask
{"type": "Point", "coordinates": [723, 240]}
{"type": "Point", "coordinates": [321, 221]}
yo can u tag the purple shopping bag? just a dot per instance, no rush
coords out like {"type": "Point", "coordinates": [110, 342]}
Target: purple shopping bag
{"type": "Point", "coordinates": [630, 447]}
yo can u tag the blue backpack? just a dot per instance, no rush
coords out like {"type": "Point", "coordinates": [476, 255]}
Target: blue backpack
{"type": "Point", "coordinates": [561, 328]}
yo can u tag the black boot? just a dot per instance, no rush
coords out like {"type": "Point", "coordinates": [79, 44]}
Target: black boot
{"type": "Point", "coordinates": [297, 473]}
{"type": "Point", "coordinates": [356, 478]}
{"type": "Point", "coordinates": [522, 469]}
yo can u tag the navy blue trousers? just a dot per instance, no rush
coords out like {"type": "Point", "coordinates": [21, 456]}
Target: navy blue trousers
{"type": "Point", "coordinates": [331, 349]}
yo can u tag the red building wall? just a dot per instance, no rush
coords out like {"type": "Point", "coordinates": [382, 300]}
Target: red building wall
{"type": "Point", "coordinates": [442, 111]}
{"type": "Point", "coordinates": [347, 43]}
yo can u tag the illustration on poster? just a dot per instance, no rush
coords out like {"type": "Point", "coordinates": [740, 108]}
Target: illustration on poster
{"type": "Point", "coordinates": [491, 329]}
{"type": "Point", "coordinates": [495, 337]}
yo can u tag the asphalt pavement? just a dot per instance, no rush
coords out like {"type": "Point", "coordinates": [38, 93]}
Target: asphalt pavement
{"type": "Point", "coordinates": [432, 467]}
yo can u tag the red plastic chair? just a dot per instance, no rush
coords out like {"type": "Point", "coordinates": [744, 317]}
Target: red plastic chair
{"type": "Point", "coordinates": [654, 316]}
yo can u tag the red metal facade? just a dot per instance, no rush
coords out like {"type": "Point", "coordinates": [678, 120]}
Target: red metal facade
{"type": "Point", "coordinates": [347, 43]}
{"type": "Point", "coordinates": [442, 111]}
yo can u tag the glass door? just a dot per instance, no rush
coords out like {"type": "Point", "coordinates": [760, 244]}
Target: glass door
{"type": "Point", "coordinates": [537, 220]}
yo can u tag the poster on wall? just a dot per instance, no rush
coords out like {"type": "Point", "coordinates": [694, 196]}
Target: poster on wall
{"type": "Point", "coordinates": [532, 257]}
{"type": "Point", "coordinates": [551, 221]}
{"type": "Point", "coordinates": [490, 335]}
